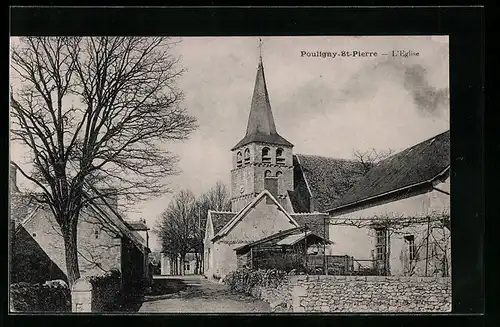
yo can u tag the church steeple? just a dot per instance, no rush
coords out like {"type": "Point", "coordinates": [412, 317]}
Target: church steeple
{"type": "Point", "coordinates": [263, 159]}
{"type": "Point", "coordinates": [261, 127]}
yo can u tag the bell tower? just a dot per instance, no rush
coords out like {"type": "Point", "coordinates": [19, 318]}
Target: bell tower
{"type": "Point", "coordinates": [263, 158]}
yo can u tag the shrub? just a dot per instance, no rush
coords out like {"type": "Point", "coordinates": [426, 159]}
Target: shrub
{"type": "Point", "coordinates": [52, 297]}
{"type": "Point", "coordinates": [245, 280]}
{"type": "Point", "coordinates": [106, 291]}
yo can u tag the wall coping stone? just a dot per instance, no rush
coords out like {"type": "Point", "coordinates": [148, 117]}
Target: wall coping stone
{"type": "Point", "coordinates": [295, 278]}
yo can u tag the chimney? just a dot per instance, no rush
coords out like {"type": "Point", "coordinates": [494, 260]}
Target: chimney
{"type": "Point", "coordinates": [271, 184]}
{"type": "Point", "coordinates": [13, 179]}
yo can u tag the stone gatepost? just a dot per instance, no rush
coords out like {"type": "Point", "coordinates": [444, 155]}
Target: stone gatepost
{"type": "Point", "coordinates": [81, 296]}
{"type": "Point", "coordinates": [297, 293]}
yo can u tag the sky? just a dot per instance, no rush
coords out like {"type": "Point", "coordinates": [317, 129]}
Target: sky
{"type": "Point", "coordinates": [323, 105]}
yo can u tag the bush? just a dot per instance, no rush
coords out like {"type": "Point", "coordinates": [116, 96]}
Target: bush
{"type": "Point", "coordinates": [106, 291]}
{"type": "Point", "coordinates": [52, 297]}
{"type": "Point", "coordinates": [245, 280]}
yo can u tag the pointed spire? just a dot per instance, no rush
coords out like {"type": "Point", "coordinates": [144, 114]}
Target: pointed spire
{"type": "Point", "coordinates": [260, 120]}
{"type": "Point", "coordinates": [261, 126]}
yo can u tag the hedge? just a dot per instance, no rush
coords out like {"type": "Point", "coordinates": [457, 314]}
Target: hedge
{"type": "Point", "coordinates": [106, 294]}
{"type": "Point", "coordinates": [52, 297]}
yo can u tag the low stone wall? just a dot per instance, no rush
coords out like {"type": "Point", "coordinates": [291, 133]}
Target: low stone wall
{"type": "Point", "coordinates": [306, 293]}
{"type": "Point", "coordinates": [370, 294]}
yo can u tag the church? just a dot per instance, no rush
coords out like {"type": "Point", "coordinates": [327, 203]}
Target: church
{"type": "Point", "coordinates": [274, 191]}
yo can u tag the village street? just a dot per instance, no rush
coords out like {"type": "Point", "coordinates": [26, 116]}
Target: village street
{"type": "Point", "coordinates": [198, 295]}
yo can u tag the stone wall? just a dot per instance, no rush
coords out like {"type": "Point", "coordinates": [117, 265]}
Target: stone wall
{"type": "Point", "coordinates": [358, 294]}
{"type": "Point", "coordinates": [371, 294]}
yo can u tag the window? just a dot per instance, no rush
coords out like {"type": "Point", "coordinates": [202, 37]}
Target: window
{"type": "Point", "coordinates": [96, 233]}
{"type": "Point", "coordinates": [412, 248]}
{"type": "Point", "coordinates": [238, 159]}
{"type": "Point", "coordinates": [380, 246]}
{"type": "Point", "coordinates": [279, 156]}
{"type": "Point", "coordinates": [247, 155]}
{"type": "Point", "coordinates": [186, 266]}
{"type": "Point", "coordinates": [267, 173]}
{"type": "Point", "coordinates": [279, 173]}
{"type": "Point", "coordinates": [265, 155]}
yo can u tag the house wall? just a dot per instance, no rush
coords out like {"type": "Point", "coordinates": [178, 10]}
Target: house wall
{"type": "Point", "coordinates": [360, 242]}
{"type": "Point", "coordinates": [261, 221]}
{"type": "Point", "coordinates": [132, 267]}
{"type": "Point", "coordinates": [225, 259]}
{"type": "Point", "coordinates": [96, 255]}
{"type": "Point", "coordinates": [30, 263]}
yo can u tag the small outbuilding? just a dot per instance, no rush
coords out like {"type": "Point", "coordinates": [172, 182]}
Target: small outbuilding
{"type": "Point", "coordinates": [284, 250]}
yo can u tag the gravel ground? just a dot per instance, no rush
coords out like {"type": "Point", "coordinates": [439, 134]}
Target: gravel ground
{"type": "Point", "coordinates": [202, 296]}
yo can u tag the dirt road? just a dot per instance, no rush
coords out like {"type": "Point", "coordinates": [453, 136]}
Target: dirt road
{"type": "Point", "coordinates": [201, 296]}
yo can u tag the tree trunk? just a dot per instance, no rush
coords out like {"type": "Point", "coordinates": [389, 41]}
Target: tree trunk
{"type": "Point", "coordinates": [181, 263]}
{"type": "Point", "coordinates": [71, 253]}
{"type": "Point", "coordinates": [197, 267]}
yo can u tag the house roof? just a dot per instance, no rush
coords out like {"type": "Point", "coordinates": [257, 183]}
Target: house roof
{"type": "Point", "coordinates": [420, 163]}
{"type": "Point", "coordinates": [287, 237]}
{"type": "Point", "coordinates": [327, 179]}
{"type": "Point", "coordinates": [101, 206]}
{"type": "Point", "coordinates": [21, 205]}
{"type": "Point", "coordinates": [240, 215]}
{"type": "Point", "coordinates": [277, 235]}
{"type": "Point", "coordinates": [261, 126]}
{"type": "Point", "coordinates": [137, 225]}
{"type": "Point", "coordinates": [294, 238]}
{"type": "Point", "coordinates": [24, 206]}
{"type": "Point", "coordinates": [220, 219]}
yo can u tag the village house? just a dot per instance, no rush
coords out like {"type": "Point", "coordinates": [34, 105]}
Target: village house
{"type": "Point", "coordinates": [398, 215]}
{"type": "Point", "coordinates": [105, 241]}
{"type": "Point", "coordinates": [176, 266]}
{"type": "Point", "coordinates": [274, 190]}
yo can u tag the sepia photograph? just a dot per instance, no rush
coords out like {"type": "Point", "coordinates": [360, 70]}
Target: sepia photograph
{"type": "Point", "coordinates": [243, 174]}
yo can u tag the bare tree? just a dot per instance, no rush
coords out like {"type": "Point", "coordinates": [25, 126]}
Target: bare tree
{"type": "Point", "coordinates": [181, 227]}
{"type": "Point", "coordinates": [369, 158]}
{"type": "Point", "coordinates": [217, 198]}
{"type": "Point", "coordinates": [95, 110]}
{"type": "Point", "coordinates": [177, 226]}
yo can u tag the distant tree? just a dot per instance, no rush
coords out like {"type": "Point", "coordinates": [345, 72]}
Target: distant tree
{"type": "Point", "coordinates": [181, 227]}
{"type": "Point", "coordinates": [368, 159]}
{"type": "Point", "coordinates": [217, 198]}
{"type": "Point", "coordinates": [177, 227]}
{"type": "Point", "coordinates": [95, 110]}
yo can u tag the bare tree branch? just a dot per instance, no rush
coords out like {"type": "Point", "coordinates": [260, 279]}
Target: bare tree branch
{"type": "Point", "coordinates": [96, 110]}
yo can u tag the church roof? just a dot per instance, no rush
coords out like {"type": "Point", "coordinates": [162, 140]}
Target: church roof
{"type": "Point", "coordinates": [261, 126]}
{"type": "Point", "coordinates": [420, 163]}
{"type": "Point", "coordinates": [327, 179]}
